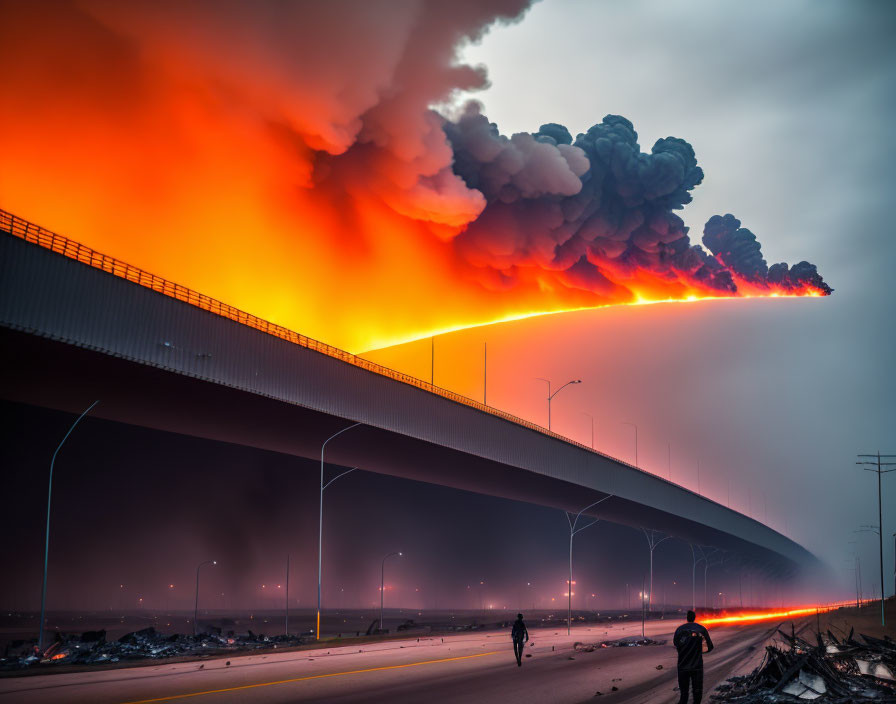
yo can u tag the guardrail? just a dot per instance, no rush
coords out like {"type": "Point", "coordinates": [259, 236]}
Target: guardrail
{"type": "Point", "coordinates": [30, 232]}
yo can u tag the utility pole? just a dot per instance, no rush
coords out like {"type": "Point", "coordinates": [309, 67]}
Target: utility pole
{"type": "Point", "coordinates": [874, 463]}
{"type": "Point", "coordinates": [484, 373]}
{"type": "Point", "coordinates": [625, 422]}
{"type": "Point", "coordinates": [592, 427]}
{"type": "Point", "coordinates": [287, 595]}
{"type": "Point", "coordinates": [432, 361]}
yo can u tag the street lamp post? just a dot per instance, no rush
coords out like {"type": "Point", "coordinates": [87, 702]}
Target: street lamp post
{"type": "Point", "coordinates": [320, 524]}
{"type": "Point", "coordinates": [669, 446]}
{"type": "Point", "coordinates": [383, 584]}
{"type": "Point", "coordinates": [551, 395]}
{"type": "Point", "coordinates": [706, 566]}
{"type": "Point", "coordinates": [572, 532]}
{"type": "Point", "coordinates": [652, 544]}
{"type": "Point", "coordinates": [860, 593]}
{"type": "Point", "coordinates": [877, 531]}
{"type": "Point", "coordinates": [43, 591]}
{"type": "Point", "coordinates": [196, 606]}
{"type": "Point", "coordinates": [694, 574]}
{"type": "Point", "coordinates": [625, 422]}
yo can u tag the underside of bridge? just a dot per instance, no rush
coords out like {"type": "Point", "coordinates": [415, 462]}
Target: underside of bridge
{"type": "Point", "coordinates": [71, 334]}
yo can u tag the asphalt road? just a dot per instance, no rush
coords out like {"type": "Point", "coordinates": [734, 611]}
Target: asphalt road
{"type": "Point", "coordinates": [459, 668]}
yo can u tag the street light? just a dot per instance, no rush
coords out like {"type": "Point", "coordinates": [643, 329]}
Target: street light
{"type": "Point", "coordinates": [652, 544]}
{"type": "Point", "coordinates": [706, 567]}
{"type": "Point", "coordinates": [196, 607]}
{"type": "Point", "coordinates": [572, 532]}
{"type": "Point", "coordinates": [625, 422]}
{"type": "Point", "coordinates": [694, 573]}
{"type": "Point", "coordinates": [320, 525]}
{"type": "Point", "coordinates": [43, 591]}
{"type": "Point", "coordinates": [383, 584]}
{"type": "Point", "coordinates": [551, 395]}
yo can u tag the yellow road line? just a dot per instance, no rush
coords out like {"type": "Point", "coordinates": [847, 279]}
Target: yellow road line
{"type": "Point", "coordinates": [309, 677]}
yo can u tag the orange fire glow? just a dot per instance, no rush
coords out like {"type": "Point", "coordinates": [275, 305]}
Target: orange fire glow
{"type": "Point", "coordinates": [259, 187]}
{"type": "Point", "coordinates": [752, 617]}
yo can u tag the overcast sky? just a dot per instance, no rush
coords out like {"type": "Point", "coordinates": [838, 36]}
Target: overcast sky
{"type": "Point", "coordinates": [790, 107]}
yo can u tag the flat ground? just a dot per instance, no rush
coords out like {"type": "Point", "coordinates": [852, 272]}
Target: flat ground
{"type": "Point", "coordinates": [458, 668]}
{"type": "Point", "coordinates": [865, 620]}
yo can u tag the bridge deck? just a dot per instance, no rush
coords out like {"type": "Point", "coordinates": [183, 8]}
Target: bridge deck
{"type": "Point", "coordinates": [79, 325]}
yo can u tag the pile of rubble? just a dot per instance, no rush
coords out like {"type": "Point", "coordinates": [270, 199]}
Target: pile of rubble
{"type": "Point", "coordinates": [92, 647]}
{"type": "Point", "coordinates": [830, 670]}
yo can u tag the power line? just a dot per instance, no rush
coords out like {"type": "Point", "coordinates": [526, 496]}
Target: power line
{"type": "Point", "coordinates": [874, 463]}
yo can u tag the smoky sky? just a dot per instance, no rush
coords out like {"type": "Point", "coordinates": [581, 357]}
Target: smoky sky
{"type": "Point", "coordinates": [789, 108]}
{"type": "Point", "coordinates": [601, 204]}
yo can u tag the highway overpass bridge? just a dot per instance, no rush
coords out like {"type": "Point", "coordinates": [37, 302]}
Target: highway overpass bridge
{"type": "Point", "coordinates": [77, 325]}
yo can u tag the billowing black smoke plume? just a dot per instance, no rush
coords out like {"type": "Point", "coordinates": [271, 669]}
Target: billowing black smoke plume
{"type": "Point", "coordinates": [597, 210]}
{"type": "Point", "coordinates": [737, 248]}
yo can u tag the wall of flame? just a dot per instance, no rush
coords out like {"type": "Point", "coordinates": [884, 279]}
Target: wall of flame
{"type": "Point", "coordinates": [281, 158]}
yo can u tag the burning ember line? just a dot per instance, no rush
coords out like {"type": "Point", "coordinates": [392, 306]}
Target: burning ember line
{"type": "Point", "coordinates": [752, 618]}
{"type": "Point", "coordinates": [421, 335]}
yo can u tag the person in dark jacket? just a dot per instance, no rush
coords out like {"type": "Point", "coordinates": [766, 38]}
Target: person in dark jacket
{"type": "Point", "coordinates": [520, 635]}
{"type": "Point", "coordinates": [688, 640]}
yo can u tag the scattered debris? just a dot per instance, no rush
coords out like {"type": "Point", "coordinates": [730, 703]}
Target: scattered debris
{"type": "Point", "coordinates": [831, 670]}
{"type": "Point", "coordinates": [631, 641]}
{"type": "Point", "coordinates": [92, 647]}
{"type": "Point", "coordinates": [627, 642]}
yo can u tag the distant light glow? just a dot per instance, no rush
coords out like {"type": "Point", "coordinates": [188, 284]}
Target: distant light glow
{"type": "Point", "coordinates": [749, 617]}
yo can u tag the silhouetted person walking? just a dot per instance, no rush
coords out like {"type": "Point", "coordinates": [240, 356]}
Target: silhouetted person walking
{"type": "Point", "coordinates": [520, 635]}
{"type": "Point", "coordinates": [688, 640]}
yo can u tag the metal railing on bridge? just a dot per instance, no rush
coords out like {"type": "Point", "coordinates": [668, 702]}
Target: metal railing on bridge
{"type": "Point", "coordinates": [30, 232]}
